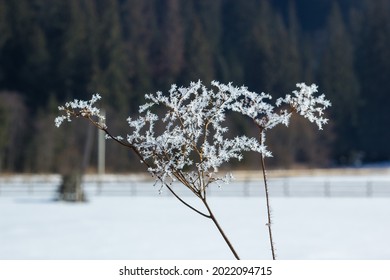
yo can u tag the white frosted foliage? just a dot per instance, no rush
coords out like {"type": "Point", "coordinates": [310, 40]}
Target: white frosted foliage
{"type": "Point", "coordinates": [189, 141]}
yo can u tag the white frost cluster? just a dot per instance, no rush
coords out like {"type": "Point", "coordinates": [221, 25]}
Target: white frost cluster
{"type": "Point", "coordinates": [306, 104]}
{"type": "Point", "coordinates": [189, 142]}
{"type": "Point", "coordinates": [193, 139]}
{"type": "Point", "coordinates": [77, 108]}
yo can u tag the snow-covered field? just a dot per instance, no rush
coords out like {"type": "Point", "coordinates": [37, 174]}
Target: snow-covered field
{"type": "Point", "coordinates": [159, 227]}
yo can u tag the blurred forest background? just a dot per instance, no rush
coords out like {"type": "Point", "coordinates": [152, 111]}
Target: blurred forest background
{"type": "Point", "coordinates": [52, 51]}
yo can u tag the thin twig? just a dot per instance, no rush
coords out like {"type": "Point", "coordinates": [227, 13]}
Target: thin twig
{"type": "Point", "coordinates": [212, 217]}
{"type": "Point", "coordinates": [269, 222]}
{"type": "Point", "coordinates": [202, 197]}
{"type": "Point", "coordinates": [134, 149]}
{"type": "Point", "coordinates": [186, 204]}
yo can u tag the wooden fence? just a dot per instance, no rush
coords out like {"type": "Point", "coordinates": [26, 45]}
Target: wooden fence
{"type": "Point", "coordinates": [138, 185]}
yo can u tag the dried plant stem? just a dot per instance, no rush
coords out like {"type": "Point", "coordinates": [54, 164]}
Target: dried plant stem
{"type": "Point", "coordinates": [212, 217]}
{"type": "Point", "coordinates": [194, 113]}
{"type": "Point", "coordinates": [128, 145]}
{"type": "Point", "coordinates": [186, 204]}
{"type": "Point", "coordinates": [269, 220]}
{"type": "Point", "coordinates": [210, 214]}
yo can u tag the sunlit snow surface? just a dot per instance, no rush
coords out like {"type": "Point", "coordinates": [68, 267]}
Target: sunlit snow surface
{"type": "Point", "coordinates": [161, 228]}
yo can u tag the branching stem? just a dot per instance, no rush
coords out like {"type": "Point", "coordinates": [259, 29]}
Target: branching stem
{"type": "Point", "coordinates": [135, 150]}
{"type": "Point", "coordinates": [212, 217]}
{"type": "Point", "coordinates": [194, 113]}
{"type": "Point", "coordinates": [210, 214]}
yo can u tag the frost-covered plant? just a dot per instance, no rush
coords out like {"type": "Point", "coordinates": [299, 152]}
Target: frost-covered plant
{"type": "Point", "coordinates": [193, 143]}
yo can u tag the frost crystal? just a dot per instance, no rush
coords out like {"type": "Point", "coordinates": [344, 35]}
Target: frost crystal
{"type": "Point", "coordinates": [77, 108]}
{"type": "Point", "coordinates": [306, 104]}
{"type": "Point", "coordinates": [193, 143]}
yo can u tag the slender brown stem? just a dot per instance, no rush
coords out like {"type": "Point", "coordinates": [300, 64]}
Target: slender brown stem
{"type": "Point", "coordinates": [212, 217]}
{"type": "Point", "coordinates": [202, 197]}
{"type": "Point", "coordinates": [269, 223]}
{"type": "Point", "coordinates": [269, 220]}
{"type": "Point", "coordinates": [186, 204]}
{"type": "Point", "coordinates": [134, 149]}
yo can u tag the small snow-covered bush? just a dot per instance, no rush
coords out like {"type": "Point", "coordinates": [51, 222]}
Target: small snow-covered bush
{"type": "Point", "coordinates": [194, 143]}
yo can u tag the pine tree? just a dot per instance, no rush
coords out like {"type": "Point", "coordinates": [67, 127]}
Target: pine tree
{"type": "Point", "coordinates": [139, 22]}
{"type": "Point", "coordinates": [210, 16]}
{"type": "Point", "coordinates": [238, 46]}
{"type": "Point", "coordinates": [170, 59]}
{"type": "Point", "coordinates": [16, 18]}
{"type": "Point", "coordinates": [73, 67]}
{"type": "Point", "coordinates": [47, 142]}
{"type": "Point", "coordinates": [199, 63]}
{"type": "Point", "coordinates": [373, 66]}
{"type": "Point", "coordinates": [4, 28]}
{"type": "Point", "coordinates": [263, 67]}
{"type": "Point", "coordinates": [4, 37]}
{"type": "Point", "coordinates": [92, 46]}
{"type": "Point", "coordinates": [199, 47]}
{"type": "Point", "coordinates": [35, 71]}
{"type": "Point", "coordinates": [113, 62]}
{"type": "Point", "coordinates": [338, 79]}
{"type": "Point", "coordinates": [13, 131]}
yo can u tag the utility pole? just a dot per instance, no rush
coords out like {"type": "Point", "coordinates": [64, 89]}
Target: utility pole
{"type": "Point", "coordinates": [101, 153]}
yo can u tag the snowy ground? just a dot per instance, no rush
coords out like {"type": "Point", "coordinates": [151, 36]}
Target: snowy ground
{"type": "Point", "coordinates": [160, 227]}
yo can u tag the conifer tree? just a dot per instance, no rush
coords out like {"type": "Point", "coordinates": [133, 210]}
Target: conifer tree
{"type": "Point", "coordinates": [4, 29]}
{"type": "Point", "coordinates": [199, 53]}
{"type": "Point", "coordinates": [238, 40]}
{"type": "Point", "coordinates": [73, 67]}
{"type": "Point", "coordinates": [170, 60]}
{"type": "Point", "coordinates": [339, 81]}
{"type": "Point", "coordinates": [139, 31]}
{"type": "Point", "coordinates": [211, 17]}
{"type": "Point", "coordinates": [47, 144]}
{"type": "Point", "coordinates": [16, 22]}
{"type": "Point", "coordinates": [373, 66]}
{"type": "Point", "coordinates": [113, 56]}
{"type": "Point", "coordinates": [5, 35]}
{"type": "Point", "coordinates": [262, 68]}
{"type": "Point", "coordinates": [13, 131]}
{"type": "Point", "coordinates": [92, 45]}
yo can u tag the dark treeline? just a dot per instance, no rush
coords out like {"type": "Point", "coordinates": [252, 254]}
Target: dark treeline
{"type": "Point", "coordinates": [54, 50]}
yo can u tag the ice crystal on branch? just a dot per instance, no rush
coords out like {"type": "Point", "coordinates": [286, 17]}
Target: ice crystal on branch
{"type": "Point", "coordinates": [80, 108]}
{"type": "Point", "coordinates": [193, 143]}
{"type": "Point", "coordinates": [189, 141]}
{"type": "Point", "coordinates": [306, 104]}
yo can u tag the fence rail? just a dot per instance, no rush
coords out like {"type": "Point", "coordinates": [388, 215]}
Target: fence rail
{"type": "Point", "coordinates": [137, 185]}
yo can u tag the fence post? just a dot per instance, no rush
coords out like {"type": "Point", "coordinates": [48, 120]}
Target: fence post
{"type": "Point", "coordinates": [286, 187]}
{"type": "Point", "coordinates": [246, 187]}
{"type": "Point", "coordinates": [99, 184]}
{"type": "Point", "coordinates": [369, 189]}
{"type": "Point", "coordinates": [30, 189]}
{"type": "Point", "coordinates": [101, 155]}
{"type": "Point", "coordinates": [327, 189]}
{"type": "Point", "coordinates": [133, 190]}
